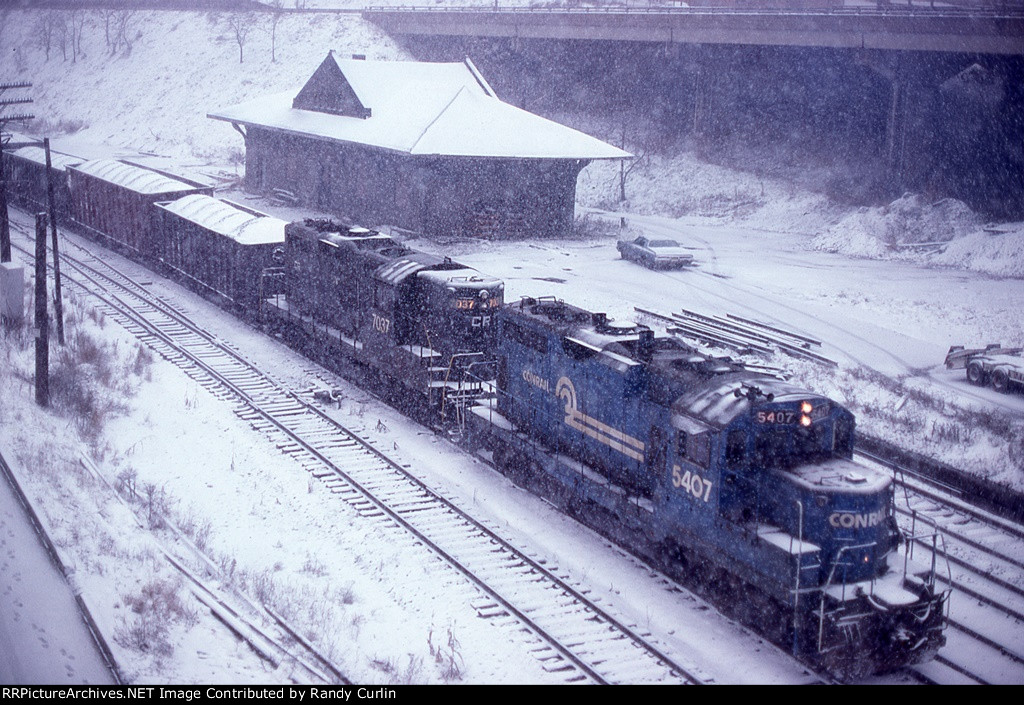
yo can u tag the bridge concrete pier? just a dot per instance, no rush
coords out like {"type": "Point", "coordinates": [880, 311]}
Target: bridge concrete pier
{"type": "Point", "coordinates": [913, 101]}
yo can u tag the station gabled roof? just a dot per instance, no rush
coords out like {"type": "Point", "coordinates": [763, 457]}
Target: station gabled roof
{"type": "Point", "coordinates": [417, 108]}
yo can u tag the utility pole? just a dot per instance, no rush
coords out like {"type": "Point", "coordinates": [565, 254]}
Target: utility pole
{"type": "Point", "coordinates": [58, 302]}
{"type": "Point", "coordinates": [42, 322]}
{"type": "Point", "coordinates": [5, 227]}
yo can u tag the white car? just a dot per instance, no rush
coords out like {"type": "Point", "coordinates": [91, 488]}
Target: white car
{"type": "Point", "coordinates": [655, 254]}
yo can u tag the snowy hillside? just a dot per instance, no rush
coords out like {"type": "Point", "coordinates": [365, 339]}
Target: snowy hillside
{"type": "Point", "coordinates": [153, 98]}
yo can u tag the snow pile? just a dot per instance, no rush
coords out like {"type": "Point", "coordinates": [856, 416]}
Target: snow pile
{"type": "Point", "coordinates": [906, 221]}
{"type": "Point", "coordinates": [946, 233]}
{"type": "Point", "coordinates": [999, 252]}
{"type": "Point", "coordinates": [682, 185]}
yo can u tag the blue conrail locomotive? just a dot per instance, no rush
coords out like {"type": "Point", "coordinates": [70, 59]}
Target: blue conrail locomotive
{"type": "Point", "coordinates": [741, 480]}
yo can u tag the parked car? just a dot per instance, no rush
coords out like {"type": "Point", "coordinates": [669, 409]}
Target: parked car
{"type": "Point", "coordinates": [655, 254]}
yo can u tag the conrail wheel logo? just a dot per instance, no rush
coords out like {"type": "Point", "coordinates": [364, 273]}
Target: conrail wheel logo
{"type": "Point", "coordinates": [848, 520]}
{"type": "Point", "coordinates": [598, 430]}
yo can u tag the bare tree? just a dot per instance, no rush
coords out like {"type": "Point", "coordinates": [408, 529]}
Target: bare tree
{"type": "Point", "coordinates": [240, 24]}
{"type": "Point", "coordinates": [107, 16]}
{"type": "Point", "coordinates": [640, 148]}
{"type": "Point", "coordinates": [276, 13]}
{"type": "Point", "coordinates": [60, 32]}
{"type": "Point", "coordinates": [44, 30]}
{"type": "Point", "coordinates": [124, 23]}
{"type": "Point", "coordinates": [76, 24]}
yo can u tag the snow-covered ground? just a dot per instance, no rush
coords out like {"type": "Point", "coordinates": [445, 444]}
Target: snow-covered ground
{"type": "Point", "coordinates": [885, 310]}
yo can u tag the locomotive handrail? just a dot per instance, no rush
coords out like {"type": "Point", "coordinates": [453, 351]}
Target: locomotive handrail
{"type": "Point", "coordinates": [799, 571]}
{"type": "Point", "coordinates": [832, 573]}
{"type": "Point", "coordinates": [936, 537]}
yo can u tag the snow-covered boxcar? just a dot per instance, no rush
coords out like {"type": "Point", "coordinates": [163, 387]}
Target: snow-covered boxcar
{"type": "Point", "coordinates": [114, 200]}
{"type": "Point", "coordinates": [220, 247]}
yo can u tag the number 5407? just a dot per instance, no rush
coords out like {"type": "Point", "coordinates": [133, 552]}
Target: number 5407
{"type": "Point", "coordinates": [692, 482]}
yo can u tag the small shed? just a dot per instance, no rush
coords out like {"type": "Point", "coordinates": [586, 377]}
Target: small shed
{"type": "Point", "coordinates": [423, 146]}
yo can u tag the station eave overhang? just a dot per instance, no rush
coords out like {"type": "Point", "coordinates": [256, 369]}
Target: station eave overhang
{"type": "Point", "coordinates": [330, 139]}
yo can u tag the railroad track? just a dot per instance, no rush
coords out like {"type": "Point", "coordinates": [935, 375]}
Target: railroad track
{"type": "Point", "coordinates": [985, 553]}
{"type": "Point", "coordinates": [573, 636]}
{"type": "Point", "coordinates": [272, 638]}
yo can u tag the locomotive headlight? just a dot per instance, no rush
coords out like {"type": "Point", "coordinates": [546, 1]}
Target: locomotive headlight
{"type": "Point", "coordinates": [484, 294]}
{"type": "Point", "coordinates": [806, 407]}
{"type": "Point", "coordinates": [805, 420]}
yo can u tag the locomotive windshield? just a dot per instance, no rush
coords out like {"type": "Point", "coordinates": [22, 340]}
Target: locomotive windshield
{"type": "Point", "coordinates": [782, 436]}
{"type": "Point", "coordinates": [461, 304]}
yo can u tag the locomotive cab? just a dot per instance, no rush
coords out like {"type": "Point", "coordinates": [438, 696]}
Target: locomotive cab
{"type": "Point", "coordinates": [785, 462]}
{"type": "Point", "coordinates": [458, 306]}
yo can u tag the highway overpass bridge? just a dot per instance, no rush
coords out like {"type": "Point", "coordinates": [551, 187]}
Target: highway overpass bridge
{"type": "Point", "coordinates": [971, 30]}
{"type": "Point", "coordinates": [916, 50]}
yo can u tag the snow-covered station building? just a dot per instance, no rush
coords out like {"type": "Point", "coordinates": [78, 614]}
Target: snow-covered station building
{"type": "Point", "coordinates": [422, 146]}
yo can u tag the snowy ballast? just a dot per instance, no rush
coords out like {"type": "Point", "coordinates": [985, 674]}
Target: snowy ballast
{"type": "Point", "coordinates": [417, 108]}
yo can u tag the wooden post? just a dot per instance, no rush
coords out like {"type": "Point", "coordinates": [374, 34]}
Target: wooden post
{"type": "Point", "coordinates": [42, 324]}
{"type": "Point", "coordinates": [58, 303]}
{"type": "Point", "coordinates": [5, 228]}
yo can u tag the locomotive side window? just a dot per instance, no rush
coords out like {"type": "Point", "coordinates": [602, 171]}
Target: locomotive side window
{"type": "Point", "coordinates": [379, 295]}
{"type": "Point", "coordinates": [843, 439]}
{"type": "Point", "coordinates": [736, 449]}
{"type": "Point", "coordinates": [698, 449]}
{"type": "Point", "coordinates": [695, 447]}
{"type": "Point", "coordinates": [810, 442]}
{"type": "Point", "coordinates": [770, 448]}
